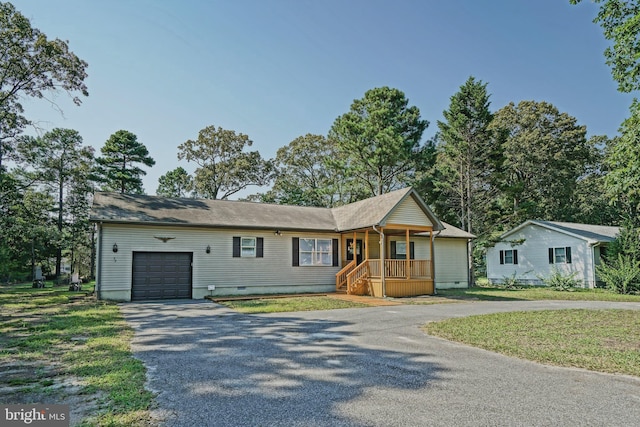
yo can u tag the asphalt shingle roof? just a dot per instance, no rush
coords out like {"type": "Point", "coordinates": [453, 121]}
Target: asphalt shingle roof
{"type": "Point", "coordinates": [600, 233]}
{"type": "Point", "coordinates": [142, 209]}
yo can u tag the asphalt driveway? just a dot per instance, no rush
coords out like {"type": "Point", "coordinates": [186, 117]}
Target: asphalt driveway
{"type": "Point", "coordinates": [360, 367]}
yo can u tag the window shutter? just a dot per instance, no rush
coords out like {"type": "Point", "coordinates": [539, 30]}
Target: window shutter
{"type": "Point", "coordinates": [550, 255]}
{"type": "Point", "coordinates": [412, 254]}
{"type": "Point", "coordinates": [295, 253]}
{"type": "Point", "coordinates": [515, 256]}
{"type": "Point", "coordinates": [334, 246]}
{"type": "Point", "coordinates": [501, 257]}
{"type": "Point", "coordinates": [236, 247]}
{"type": "Point", "coordinates": [392, 255]}
{"type": "Point", "coordinates": [568, 253]}
{"type": "Point", "coordinates": [259, 247]}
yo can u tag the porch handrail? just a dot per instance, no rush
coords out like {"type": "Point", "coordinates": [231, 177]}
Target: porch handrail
{"type": "Point", "coordinates": [341, 276]}
{"type": "Point", "coordinates": [359, 272]}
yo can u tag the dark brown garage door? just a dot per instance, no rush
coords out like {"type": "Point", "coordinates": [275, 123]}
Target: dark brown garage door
{"type": "Point", "coordinates": [161, 275]}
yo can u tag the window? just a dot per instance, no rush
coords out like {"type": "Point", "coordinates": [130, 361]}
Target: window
{"type": "Point", "coordinates": [399, 249]}
{"type": "Point", "coordinates": [248, 247]}
{"type": "Point", "coordinates": [560, 255]}
{"type": "Point", "coordinates": [318, 252]}
{"type": "Point", "coordinates": [509, 256]}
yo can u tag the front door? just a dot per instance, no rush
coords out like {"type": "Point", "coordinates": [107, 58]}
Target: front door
{"type": "Point", "coordinates": [357, 248]}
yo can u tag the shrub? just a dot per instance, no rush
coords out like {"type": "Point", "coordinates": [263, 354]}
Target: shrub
{"type": "Point", "coordinates": [510, 282]}
{"type": "Point", "coordinates": [561, 282]}
{"type": "Point", "coordinates": [621, 274]}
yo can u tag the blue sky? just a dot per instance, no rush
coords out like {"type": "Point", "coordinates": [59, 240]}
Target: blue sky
{"type": "Point", "coordinates": [278, 69]}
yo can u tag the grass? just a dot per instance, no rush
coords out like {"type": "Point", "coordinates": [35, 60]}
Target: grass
{"type": "Point", "coordinates": [531, 293]}
{"type": "Point", "coordinates": [598, 340]}
{"type": "Point", "coordinates": [279, 305]}
{"type": "Point", "coordinates": [72, 335]}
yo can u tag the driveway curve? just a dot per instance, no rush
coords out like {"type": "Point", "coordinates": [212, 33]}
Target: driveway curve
{"type": "Point", "coordinates": [360, 367]}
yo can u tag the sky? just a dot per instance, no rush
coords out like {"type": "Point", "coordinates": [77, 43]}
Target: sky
{"type": "Point", "coordinates": [278, 69]}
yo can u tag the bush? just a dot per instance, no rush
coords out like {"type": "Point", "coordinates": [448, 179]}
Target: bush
{"type": "Point", "coordinates": [622, 275]}
{"type": "Point", "coordinates": [510, 282]}
{"type": "Point", "coordinates": [561, 282]}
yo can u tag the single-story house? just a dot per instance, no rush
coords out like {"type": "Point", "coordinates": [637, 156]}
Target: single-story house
{"type": "Point", "coordinates": [153, 247]}
{"type": "Point", "coordinates": [533, 250]}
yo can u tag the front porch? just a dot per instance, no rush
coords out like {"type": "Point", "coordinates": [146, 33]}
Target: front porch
{"type": "Point", "coordinates": [369, 271]}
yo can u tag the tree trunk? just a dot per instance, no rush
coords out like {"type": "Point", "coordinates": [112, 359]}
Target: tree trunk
{"type": "Point", "coordinates": [59, 247]}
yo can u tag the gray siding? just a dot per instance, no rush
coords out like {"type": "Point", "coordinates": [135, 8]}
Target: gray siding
{"type": "Point", "coordinates": [271, 274]}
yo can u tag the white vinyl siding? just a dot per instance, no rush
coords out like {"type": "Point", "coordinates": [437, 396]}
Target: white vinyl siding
{"type": "Point", "coordinates": [271, 274]}
{"type": "Point", "coordinates": [533, 256]}
{"type": "Point", "coordinates": [408, 212]}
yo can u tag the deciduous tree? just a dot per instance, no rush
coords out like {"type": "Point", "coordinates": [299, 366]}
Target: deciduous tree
{"type": "Point", "coordinates": [31, 66]}
{"type": "Point", "coordinates": [545, 153]}
{"type": "Point", "coordinates": [224, 167]}
{"type": "Point", "coordinates": [620, 21]}
{"type": "Point", "coordinates": [307, 175]}
{"type": "Point", "coordinates": [175, 183]}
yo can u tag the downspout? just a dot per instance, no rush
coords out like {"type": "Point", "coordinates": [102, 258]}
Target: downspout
{"type": "Point", "coordinates": [382, 279]}
{"type": "Point", "coordinates": [99, 259]}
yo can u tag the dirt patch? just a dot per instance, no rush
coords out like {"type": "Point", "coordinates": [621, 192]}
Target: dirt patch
{"type": "Point", "coordinates": [24, 382]}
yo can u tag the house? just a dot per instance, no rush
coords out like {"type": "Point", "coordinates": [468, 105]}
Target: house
{"type": "Point", "coordinates": [155, 247]}
{"type": "Point", "coordinates": [532, 251]}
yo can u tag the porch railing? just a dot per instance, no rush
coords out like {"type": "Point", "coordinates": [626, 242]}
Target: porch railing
{"type": "Point", "coordinates": [341, 276]}
{"type": "Point", "coordinates": [398, 268]}
{"type": "Point", "coordinates": [360, 272]}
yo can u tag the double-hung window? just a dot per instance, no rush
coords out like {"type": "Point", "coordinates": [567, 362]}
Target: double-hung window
{"type": "Point", "coordinates": [560, 255]}
{"type": "Point", "coordinates": [248, 247]}
{"type": "Point", "coordinates": [315, 252]}
{"type": "Point", "coordinates": [509, 256]}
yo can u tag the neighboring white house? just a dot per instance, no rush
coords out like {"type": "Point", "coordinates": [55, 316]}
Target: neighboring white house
{"type": "Point", "coordinates": [533, 249]}
{"type": "Point", "coordinates": [155, 247]}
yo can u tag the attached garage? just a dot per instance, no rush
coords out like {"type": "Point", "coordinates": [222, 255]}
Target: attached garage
{"type": "Point", "coordinates": [161, 275]}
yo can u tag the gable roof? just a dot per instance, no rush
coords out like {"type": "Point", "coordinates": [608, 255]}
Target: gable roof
{"type": "Point", "coordinates": [142, 209]}
{"type": "Point", "coordinates": [375, 210]}
{"type": "Point", "coordinates": [589, 232]}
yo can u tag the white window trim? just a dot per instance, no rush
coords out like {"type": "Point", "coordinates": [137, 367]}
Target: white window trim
{"type": "Point", "coordinates": [555, 257]}
{"type": "Point", "coordinates": [510, 251]}
{"type": "Point", "coordinates": [316, 255]}
{"type": "Point", "coordinates": [254, 247]}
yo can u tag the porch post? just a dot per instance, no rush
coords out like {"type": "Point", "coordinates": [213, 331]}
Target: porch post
{"type": "Point", "coordinates": [382, 266]}
{"type": "Point", "coordinates": [355, 248]}
{"type": "Point", "coordinates": [366, 244]}
{"type": "Point", "coordinates": [408, 257]}
{"type": "Point", "coordinates": [433, 276]}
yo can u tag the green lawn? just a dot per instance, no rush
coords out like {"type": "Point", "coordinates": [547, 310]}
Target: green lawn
{"type": "Point", "coordinates": [598, 340]}
{"type": "Point", "coordinates": [278, 305]}
{"type": "Point", "coordinates": [535, 293]}
{"type": "Point", "coordinates": [71, 336]}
